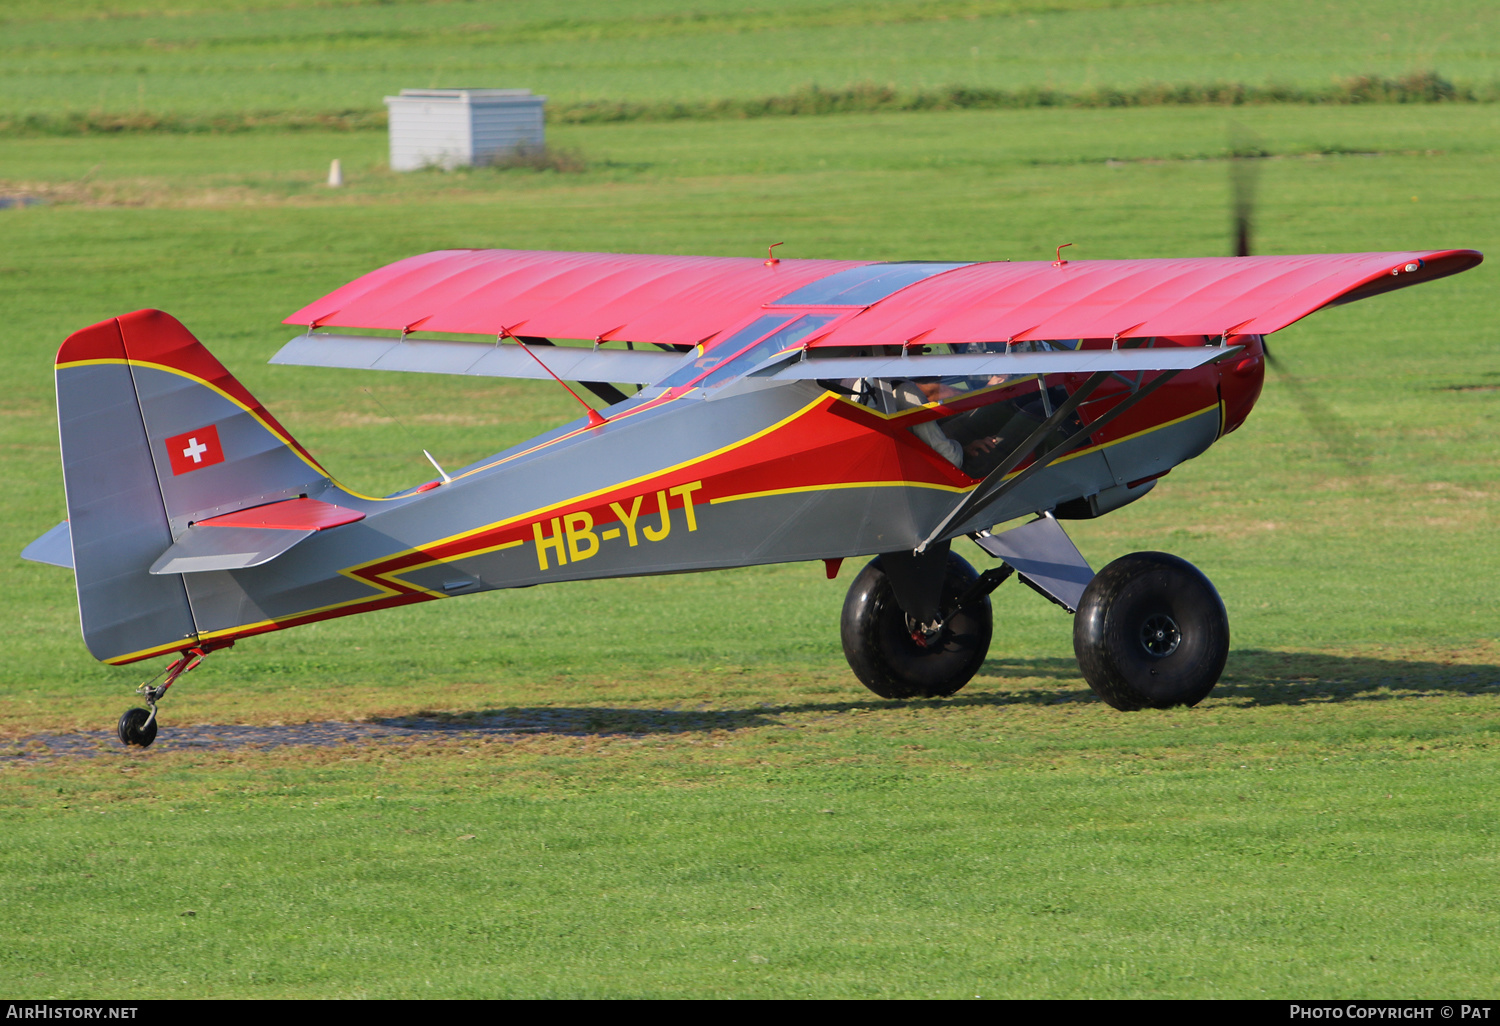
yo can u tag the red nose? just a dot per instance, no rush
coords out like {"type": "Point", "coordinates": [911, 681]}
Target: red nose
{"type": "Point", "coordinates": [1240, 380]}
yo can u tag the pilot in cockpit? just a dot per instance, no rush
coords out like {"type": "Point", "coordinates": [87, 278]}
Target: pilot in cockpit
{"type": "Point", "coordinates": [976, 440]}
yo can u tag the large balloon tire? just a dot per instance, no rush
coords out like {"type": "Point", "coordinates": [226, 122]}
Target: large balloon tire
{"type": "Point", "coordinates": [889, 661]}
{"type": "Point", "coordinates": [1151, 633]}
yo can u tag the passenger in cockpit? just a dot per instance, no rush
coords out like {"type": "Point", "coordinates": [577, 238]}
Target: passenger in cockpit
{"type": "Point", "coordinates": [911, 394]}
{"type": "Point", "coordinates": [976, 441]}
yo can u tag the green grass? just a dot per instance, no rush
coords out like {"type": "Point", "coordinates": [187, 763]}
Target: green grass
{"type": "Point", "coordinates": [827, 852]}
{"type": "Point", "coordinates": [330, 59]}
{"type": "Point", "coordinates": [748, 821]}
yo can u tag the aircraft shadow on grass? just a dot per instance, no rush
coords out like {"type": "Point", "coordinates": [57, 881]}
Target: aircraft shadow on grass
{"type": "Point", "coordinates": [1253, 678]}
{"type": "Point", "coordinates": [1259, 677]}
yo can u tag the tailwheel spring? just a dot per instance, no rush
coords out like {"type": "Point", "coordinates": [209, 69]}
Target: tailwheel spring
{"type": "Point", "coordinates": [137, 727]}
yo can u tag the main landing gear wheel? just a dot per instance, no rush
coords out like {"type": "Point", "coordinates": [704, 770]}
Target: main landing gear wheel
{"type": "Point", "coordinates": [895, 658]}
{"type": "Point", "coordinates": [137, 728]}
{"type": "Point", "coordinates": [1151, 633]}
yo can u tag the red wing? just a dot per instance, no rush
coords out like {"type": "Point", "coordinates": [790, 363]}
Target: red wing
{"type": "Point", "coordinates": [994, 302]}
{"type": "Point", "coordinates": [685, 300]}
{"type": "Point", "coordinates": [674, 299]}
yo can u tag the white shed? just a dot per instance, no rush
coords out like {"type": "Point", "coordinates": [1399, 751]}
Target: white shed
{"type": "Point", "coordinates": [451, 127]}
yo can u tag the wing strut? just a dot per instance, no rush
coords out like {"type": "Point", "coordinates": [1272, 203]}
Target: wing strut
{"type": "Point", "coordinates": [603, 389]}
{"type": "Point", "coordinates": [594, 417]}
{"type": "Point", "coordinates": [982, 492]}
{"type": "Point", "coordinates": [993, 487]}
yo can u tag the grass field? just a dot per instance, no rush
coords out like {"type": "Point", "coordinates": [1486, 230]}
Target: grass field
{"type": "Point", "coordinates": [738, 817]}
{"type": "Point", "coordinates": [201, 59]}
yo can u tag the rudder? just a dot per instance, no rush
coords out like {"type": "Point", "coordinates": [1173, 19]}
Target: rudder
{"type": "Point", "coordinates": [156, 434]}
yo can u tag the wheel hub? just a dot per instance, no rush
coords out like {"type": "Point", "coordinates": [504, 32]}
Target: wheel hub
{"type": "Point", "coordinates": [926, 635]}
{"type": "Point", "coordinates": [1160, 636]}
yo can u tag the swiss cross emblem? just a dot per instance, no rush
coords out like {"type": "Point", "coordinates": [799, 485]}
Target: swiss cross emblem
{"type": "Point", "coordinates": [193, 450]}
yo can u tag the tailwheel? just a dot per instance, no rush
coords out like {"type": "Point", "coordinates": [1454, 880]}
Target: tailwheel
{"type": "Point", "coordinates": [1151, 632]}
{"type": "Point", "coordinates": [137, 728]}
{"type": "Point", "coordinates": [897, 657]}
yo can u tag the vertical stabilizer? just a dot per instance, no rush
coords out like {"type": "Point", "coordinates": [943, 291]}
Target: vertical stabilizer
{"type": "Point", "coordinates": [115, 513]}
{"type": "Point", "coordinates": [156, 434]}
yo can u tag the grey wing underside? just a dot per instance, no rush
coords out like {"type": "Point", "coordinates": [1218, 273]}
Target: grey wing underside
{"type": "Point", "coordinates": [646, 367]}
{"type": "Point", "coordinates": [1079, 361]}
{"type": "Point", "coordinates": [506, 360]}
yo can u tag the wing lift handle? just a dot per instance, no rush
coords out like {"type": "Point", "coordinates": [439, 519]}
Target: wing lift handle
{"type": "Point", "coordinates": [994, 486]}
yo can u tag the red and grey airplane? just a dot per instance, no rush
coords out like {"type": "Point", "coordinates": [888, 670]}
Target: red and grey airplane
{"type": "Point", "coordinates": [787, 410]}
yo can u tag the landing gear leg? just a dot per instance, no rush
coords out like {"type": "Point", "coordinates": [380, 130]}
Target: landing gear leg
{"type": "Point", "coordinates": [916, 653]}
{"type": "Point", "coordinates": [137, 727]}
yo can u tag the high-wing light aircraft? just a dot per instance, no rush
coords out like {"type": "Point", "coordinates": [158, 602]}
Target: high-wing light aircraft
{"type": "Point", "coordinates": [789, 410]}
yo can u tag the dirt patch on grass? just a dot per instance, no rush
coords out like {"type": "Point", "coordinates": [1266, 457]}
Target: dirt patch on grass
{"type": "Point", "coordinates": [514, 726]}
{"type": "Point", "coordinates": [1021, 693]}
{"type": "Point", "coordinates": [139, 192]}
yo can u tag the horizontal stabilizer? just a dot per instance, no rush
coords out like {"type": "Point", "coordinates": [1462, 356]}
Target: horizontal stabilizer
{"type": "Point", "coordinates": [288, 515]}
{"type": "Point", "coordinates": [250, 537]}
{"type": "Point", "coordinates": [1042, 552]}
{"type": "Point", "coordinates": [54, 547]}
{"type": "Point", "coordinates": [1062, 361]}
{"type": "Point", "coordinates": [507, 360]}
{"type": "Point", "coordinates": [225, 548]}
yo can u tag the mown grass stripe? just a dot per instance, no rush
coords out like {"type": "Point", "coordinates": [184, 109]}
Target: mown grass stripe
{"type": "Point", "coordinates": [1422, 87]}
{"type": "Point", "coordinates": [658, 25]}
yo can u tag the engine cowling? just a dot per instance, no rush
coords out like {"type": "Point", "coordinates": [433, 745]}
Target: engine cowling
{"type": "Point", "coordinates": [1240, 380]}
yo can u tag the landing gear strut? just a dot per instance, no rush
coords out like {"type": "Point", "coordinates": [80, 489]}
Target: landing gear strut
{"type": "Point", "coordinates": [899, 655]}
{"type": "Point", "coordinates": [137, 727]}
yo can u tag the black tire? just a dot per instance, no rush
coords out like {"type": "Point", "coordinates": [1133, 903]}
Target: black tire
{"type": "Point", "coordinates": [1151, 632]}
{"type": "Point", "coordinates": [135, 731]}
{"type": "Point", "coordinates": [889, 661]}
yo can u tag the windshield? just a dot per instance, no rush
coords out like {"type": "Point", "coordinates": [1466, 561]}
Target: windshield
{"type": "Point", "coordinates": [776, 342]}
{"type": "Point", "coordinates": [721, 353]}
{"type": "Point", "coordinates": [751, 345]}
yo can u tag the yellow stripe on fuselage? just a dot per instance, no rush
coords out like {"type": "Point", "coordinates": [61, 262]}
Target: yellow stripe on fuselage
{"type": "Point", "coordinates": [385, 589]}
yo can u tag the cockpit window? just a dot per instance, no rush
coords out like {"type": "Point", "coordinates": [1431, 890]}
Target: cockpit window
{"type": "Point", "coordinates": [776, 342]}
{"type": "Point", "coordinates": [720, 353]}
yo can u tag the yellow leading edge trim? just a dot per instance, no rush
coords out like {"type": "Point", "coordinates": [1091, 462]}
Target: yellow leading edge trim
{"type": "Point", "coordinates": [280, 435]}
{"type": "Point", "coordinates": [835, 487]}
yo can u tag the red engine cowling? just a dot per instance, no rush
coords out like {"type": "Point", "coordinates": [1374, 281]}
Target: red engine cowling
{"type": "Point", "coordinates": [1240, 380]}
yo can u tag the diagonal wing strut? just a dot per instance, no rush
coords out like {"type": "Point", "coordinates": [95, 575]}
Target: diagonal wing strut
{"type": "Point", "coordinates": [994, 486]}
